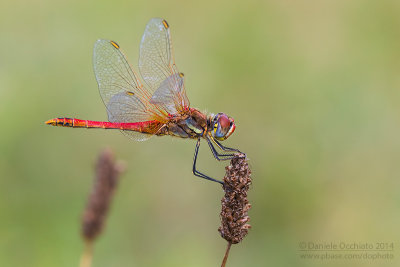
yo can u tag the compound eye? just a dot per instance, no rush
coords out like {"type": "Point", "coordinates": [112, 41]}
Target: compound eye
{"type": "Point", "coordinates": [224, 121]}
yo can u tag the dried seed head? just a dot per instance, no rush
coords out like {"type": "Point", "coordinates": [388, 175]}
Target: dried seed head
{"type": "Point", "coordinates": [234, 219]}
{"type": "Point", "coordinates": [105, 182]}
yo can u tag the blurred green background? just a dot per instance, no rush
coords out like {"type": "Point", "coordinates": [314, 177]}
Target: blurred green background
{"type": "Point", "coordinates": [313, 87]}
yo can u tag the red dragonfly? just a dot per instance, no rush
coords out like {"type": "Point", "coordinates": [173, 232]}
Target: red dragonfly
{"type": "Point", "coordinates": [159, 106]}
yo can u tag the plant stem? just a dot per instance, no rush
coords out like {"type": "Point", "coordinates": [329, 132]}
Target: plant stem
{"type": "Point", "coordinates": [87, 255]}
{"type": "Point", "coordinates": [226, 254]}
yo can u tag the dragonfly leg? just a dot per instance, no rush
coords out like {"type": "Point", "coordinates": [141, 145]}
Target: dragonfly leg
{"type": "Point", "coordinates": [196, 172]}
{"type": "Point", "coordinates": [224, 148]}
{"type": "Point", "coordinates": [217, 155]}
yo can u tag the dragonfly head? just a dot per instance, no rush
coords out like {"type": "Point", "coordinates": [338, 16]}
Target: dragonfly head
{"type": "Point", "coordinates": [223, 126]}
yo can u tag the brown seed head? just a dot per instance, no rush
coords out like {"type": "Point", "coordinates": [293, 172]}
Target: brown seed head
{"type": "Point", "coordinates": [234, 219]}
{"type": "Point", "coordinates": [105, 182]}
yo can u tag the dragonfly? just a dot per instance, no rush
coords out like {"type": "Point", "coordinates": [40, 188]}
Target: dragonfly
{"type": "Point", "coordinates": [158, 106]}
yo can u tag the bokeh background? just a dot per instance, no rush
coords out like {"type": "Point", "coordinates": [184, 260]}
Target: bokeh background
{"type": "Point", "coordinates": [312, 85]}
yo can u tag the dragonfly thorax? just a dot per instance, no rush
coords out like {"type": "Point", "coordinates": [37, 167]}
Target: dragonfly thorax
{"type": "Point", "coordinates": [193, 124]}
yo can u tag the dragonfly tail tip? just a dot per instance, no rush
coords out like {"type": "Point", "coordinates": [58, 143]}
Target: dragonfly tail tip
{"type": "Point", "coordinates": [51, 122]}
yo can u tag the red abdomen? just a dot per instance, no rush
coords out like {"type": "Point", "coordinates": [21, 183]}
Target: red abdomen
{"type": "Point", "coordinates": [149, 127]}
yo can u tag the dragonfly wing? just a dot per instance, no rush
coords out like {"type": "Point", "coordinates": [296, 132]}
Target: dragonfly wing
{"type": "Point", "coordinates": [124, 96]}
{"type": "Point", "coordinates": [113, 73]}
{"type": "Point", "coordinates": [123, 107]}
{"type": "Point", "coordinates": [136, 136]}
{"type": "Point", "coordinates": [157, 66]}
{"type": "Point", "coordinates": [165, 94]}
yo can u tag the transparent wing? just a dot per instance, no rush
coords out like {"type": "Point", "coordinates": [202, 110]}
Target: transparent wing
{"type": "Point", "coordinates": [124, 107]}
{"type": "Point", "coordinates": [165, 94]}
{"type": "Point", "coordinates": [113, 73]}
{"type": "Point", "coordinates": [125, 98]}
{"type": "Point", "coordinates": [136, 136]}
{"type": "Point", "coordinates": [157, 66]}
